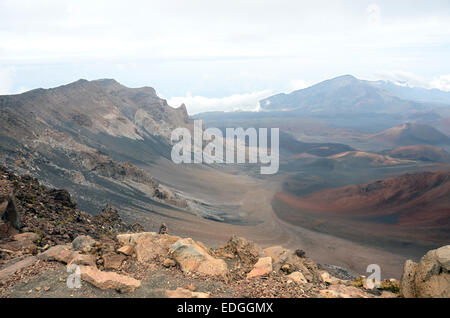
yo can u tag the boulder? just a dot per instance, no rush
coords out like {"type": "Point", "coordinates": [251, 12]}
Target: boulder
{"type": "Point", "coordinates": [60, 253]}
{"type": "Point", "coordinates": [278, 254]}
{"type": "Point", "coordinates": [432, 276]}
{"type": "Point", "coordinates": [108, 280]}
{"type": "Point", "coordinates": [148, 245]}
{"type": "Point", "coordinates": [185, 293]}
{"type": "Point", "coordinates": [263, 267]}
{"type": "Point", "coordinates": [83, 243]}
{"type": "Point", "coordinates": [193, 257]}
{"type": "Point", "coordinates": [297, 277]}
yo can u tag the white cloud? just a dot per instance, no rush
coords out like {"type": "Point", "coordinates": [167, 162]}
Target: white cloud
{"type": "Point", "coordinates": [410, 79]}
{"type": "Point", "coordinates": [197, 104]}
{"type": "Point", "coordinates": [403, 78]}
{"type": "Point", "coordinates": [442, 83]}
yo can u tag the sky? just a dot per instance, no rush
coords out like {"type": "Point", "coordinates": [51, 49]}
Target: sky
{"type": "Point", "coordinates": [222, 55]}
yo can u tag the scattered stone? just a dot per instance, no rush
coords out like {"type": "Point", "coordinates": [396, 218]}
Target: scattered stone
{"type": "Point", "coordinates": [263, 267]}
{"type": "Point", "coordinates": [83, 243]}
{"type": "Point", "coordinates": [108, 280]}
{"type": "Point", "coordinates": [168, 262]}
{"type": "Point", "coordinates": [297, 277]}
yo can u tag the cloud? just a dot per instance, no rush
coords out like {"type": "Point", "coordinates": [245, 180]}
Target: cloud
{"type": "Point", "coordinates": [410, 79]}
{"type": "Point", "coordinates": [198, 104]}
{"type": "Point", "coordinates": [442, 83]}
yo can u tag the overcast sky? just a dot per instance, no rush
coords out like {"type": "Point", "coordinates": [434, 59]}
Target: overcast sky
{"type": "Point", "coordinates": [222, 54]}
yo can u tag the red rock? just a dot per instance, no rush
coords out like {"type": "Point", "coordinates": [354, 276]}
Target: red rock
{"type": "Point", "coordinates": [193, 257]}
{"type": "Point", "coordinates": [263, 267]}
{"type": "Point", "coordinates": [108, 280]}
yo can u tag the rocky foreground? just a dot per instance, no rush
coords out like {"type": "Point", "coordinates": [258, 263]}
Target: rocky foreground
{"type": "Point", "coordinates": [50, 249]}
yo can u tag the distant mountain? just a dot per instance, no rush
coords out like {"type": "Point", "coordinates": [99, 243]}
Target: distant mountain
{"type": "Point", "coordinates": [89, 137]}
{"type": "Point", "coordinates": [418, 94]}
{"type": "Point", "coordinates": [410, 205]}
{"type": "Point", "coordinates": [420, 152]}
{"type": "Point", "coordinates": [347, 94]}
{"type": "Point", "coordinates": [411, 134]}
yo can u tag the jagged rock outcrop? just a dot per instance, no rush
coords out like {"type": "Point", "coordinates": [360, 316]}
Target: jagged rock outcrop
{"type": "Point", "coordinates": [288, 261]}
{"type": "Point", "coordinates": [430, 277]}
{"type": "Point", "coordinates": [246, 252]}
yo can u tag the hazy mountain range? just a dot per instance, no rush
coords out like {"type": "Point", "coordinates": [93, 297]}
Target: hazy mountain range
{"type": "Point", "coordinates": [347, 94]}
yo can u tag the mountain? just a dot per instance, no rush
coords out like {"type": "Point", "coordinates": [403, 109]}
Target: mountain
{"type": "Point", "coordinates": [411, 206]}
{"type": "Point", "coordinates": [420, 152]}
{"type": "Point", "coordinates": [418, 94]}
{"type": "Point", "coordinates": [339, 95]}
{"type": "Point", "coordinates": [347, 94]}
{"type": "Point", "coordinates": [411, 134]}
{"type": "Point", "coordinates": [91, 137]}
